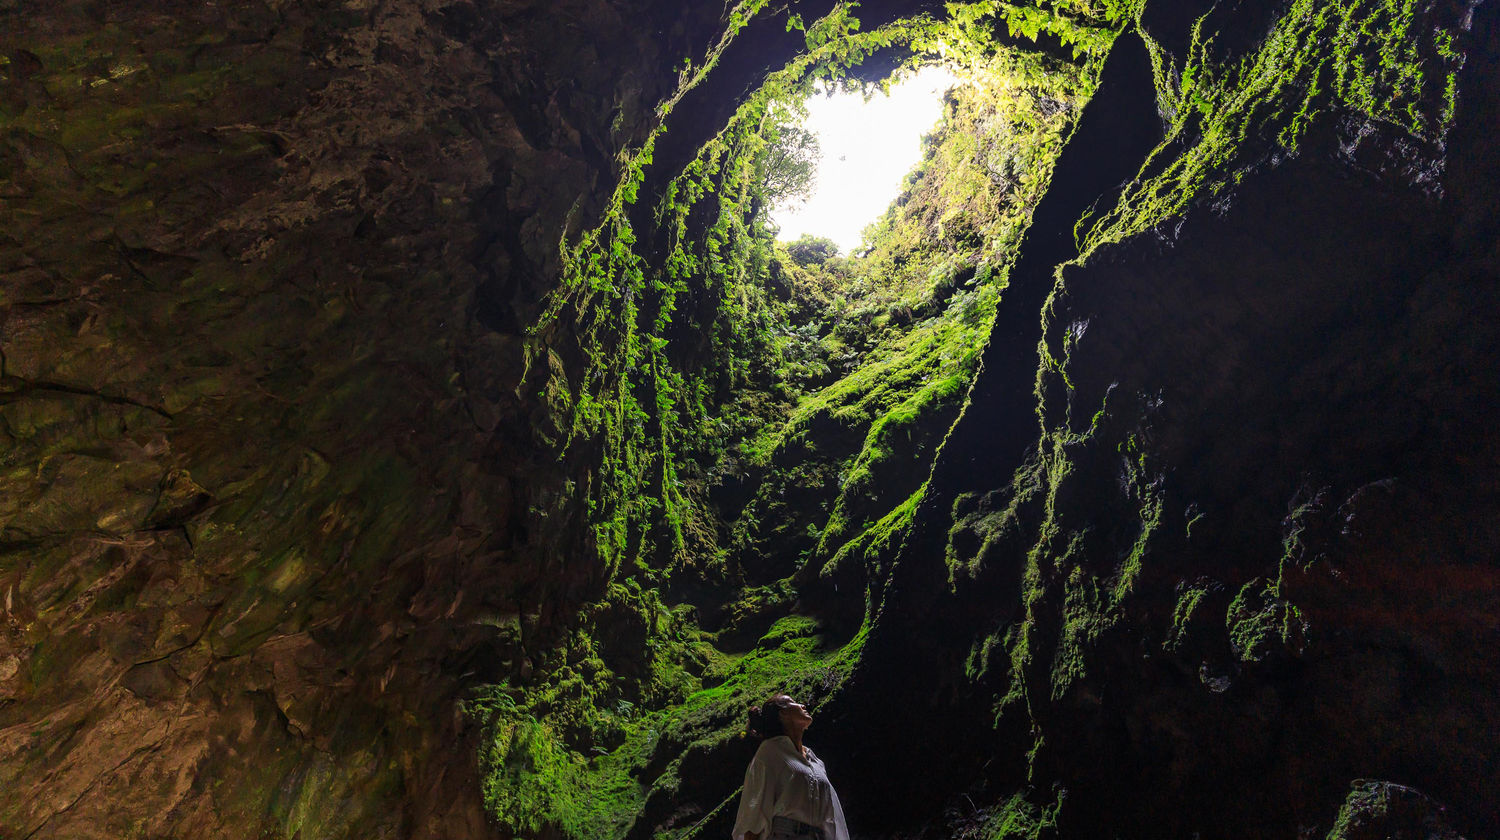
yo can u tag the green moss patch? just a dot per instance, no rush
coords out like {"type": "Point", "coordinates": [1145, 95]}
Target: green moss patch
{"type": "Point", "coordinates": [535, 780]}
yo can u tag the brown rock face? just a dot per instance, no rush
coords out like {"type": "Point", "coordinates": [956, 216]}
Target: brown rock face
{"type": "Point", "coordinates": [267, 492]}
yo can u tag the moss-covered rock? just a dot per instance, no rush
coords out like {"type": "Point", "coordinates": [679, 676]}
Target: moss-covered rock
{"type": "Point", "coordinates": [408, 427]}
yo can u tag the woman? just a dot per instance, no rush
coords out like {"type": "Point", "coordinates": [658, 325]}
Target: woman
{"type": "Point", "coordinates": [787, 795]}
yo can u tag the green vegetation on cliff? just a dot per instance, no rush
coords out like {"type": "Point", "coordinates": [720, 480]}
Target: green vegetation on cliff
{"type": "Point", "coordinates": [764, 416]}
{"type": "Point", "coordinates": [1377, 62]}
{"type": "Point", "coordinates": [651, 336]}
{"type": "Point", "coordinates": [1348, 70]}
{"type": "Point", "coordinates": [904, 323]}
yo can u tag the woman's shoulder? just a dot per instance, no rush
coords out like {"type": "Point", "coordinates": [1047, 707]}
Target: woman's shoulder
{"type": "Point", "coordinates": [780, 749]}
{"type": "Point", "coordinates": [774, 746]}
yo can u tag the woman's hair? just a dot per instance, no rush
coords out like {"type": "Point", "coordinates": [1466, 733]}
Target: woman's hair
{"type": "Point", "coordinates": [764, 721]}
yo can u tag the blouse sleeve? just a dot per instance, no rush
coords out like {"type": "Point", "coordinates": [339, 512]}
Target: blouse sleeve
{"type": "Point", "coordinates": [833, 824]}
{"type": "Point", "coordinates": [755, 802]}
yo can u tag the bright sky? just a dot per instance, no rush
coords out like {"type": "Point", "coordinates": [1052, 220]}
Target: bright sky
{"type": "Point", "coordinates": [868, 147]}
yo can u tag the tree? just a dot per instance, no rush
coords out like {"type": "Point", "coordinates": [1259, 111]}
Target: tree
{"type": "Point", "coordinates": [812, 250]}
{"type": "Point", "coordinates": [789, 168]}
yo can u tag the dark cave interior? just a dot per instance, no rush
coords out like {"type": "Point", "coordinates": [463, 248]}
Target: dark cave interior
{"type": "Point", "coordinates": [412, 428]}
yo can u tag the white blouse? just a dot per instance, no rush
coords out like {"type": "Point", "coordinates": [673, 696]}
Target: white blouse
{"type": "Point", "coordinates": [781, 783]}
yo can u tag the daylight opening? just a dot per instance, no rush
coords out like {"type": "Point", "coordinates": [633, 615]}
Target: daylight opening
{"type": "Point", "coordinates": [867, 146]}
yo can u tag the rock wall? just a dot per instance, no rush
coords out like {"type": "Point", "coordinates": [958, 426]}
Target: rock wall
{"type": "Point", "coordinates": [1243, 585]}
{"type": "Point", "coordinates": [268, 491]}
{"type": "Point", "coordinates": [275, 491]}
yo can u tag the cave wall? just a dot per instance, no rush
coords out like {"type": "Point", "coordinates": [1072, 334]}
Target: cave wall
{"type": "Point", "coordinates": [269, 491]}
{"type": "Point", "coordinates": [275, 490]}
{"type": "Point", "coordinates": [1226, 565]}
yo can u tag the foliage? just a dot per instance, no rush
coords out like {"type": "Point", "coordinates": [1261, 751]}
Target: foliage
{"type": "Point", "coordinates": [650, 398]}
{"type": "Point", "coordinates": [685, 348]}
{"type": "Point", "coordinates": [1020, 819]}
{"type": "Point", "coordinates": [536, 782]}
{"type": "Point", "coordinates": [655, 406]}
{"type": "Point", "coordinates": [1088, 28]}
{"type": "Point", "coordinates": [1384, 65]}
{"type": "Point", "coordinates": [987, 163]}
{"type": "Point", "coordinates": [810, 250]}
{"type": "Point", "coordinates": [1379, 60]}
{"type": "Point", "coordinates": [787, 172]}
{"type": "Point", "coordinates": [902, 328]}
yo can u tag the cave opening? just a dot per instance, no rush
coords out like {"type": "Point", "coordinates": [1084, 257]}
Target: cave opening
{"type": "Point", "coordinates": [858, 145]}
{"type": "Point", "coordinates": [762, 420]}
{"type": "Point", "coordinates": [766, 412]}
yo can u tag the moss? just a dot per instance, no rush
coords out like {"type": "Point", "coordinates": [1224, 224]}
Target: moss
{"type": "Point", "coordinates": [1382, 61]}
{"type": "Point", "coordinates": [1386, 61]}
{"type": "Point", "coordinates": [1076, 582]}
{"type": "Point", "coordinates": [902, 380]}
{"type": "Point", "coordinates": [913, 311]}
{"type": "Point", "coordinates": [703, 355]}
{"type": "Point", "coordinates": [1020, 819]}
{"type": "Point", "coordinates": [650, 412]}
{"type": "Point", "coordinates": [1261, 623]}
{"type": "Point", "coordinates": [1367, 802]}
{"type": "Point", "coordinates": [878, 543]}
{"type": "Point", "coordinates": [1183, 615]}
{"type": "Point", "coordinates": [535, 782]}
{"type": "Point", "coordinates": [1380, 809]}
{"type": "Point", "coordinates": [1087, 614]}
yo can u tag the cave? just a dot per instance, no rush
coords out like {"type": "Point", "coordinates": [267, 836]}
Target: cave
{"type": "Point", "coordinates": [413, 428]}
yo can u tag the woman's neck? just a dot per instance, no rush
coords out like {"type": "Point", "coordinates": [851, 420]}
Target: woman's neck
{"type": "Point", "coordinates": [797, 742]}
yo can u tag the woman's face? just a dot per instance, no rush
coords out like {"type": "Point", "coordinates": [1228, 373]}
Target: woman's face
{"type": "Point", "coordinates": [794, 716]}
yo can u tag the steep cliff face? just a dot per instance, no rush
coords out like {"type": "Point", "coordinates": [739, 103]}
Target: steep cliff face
{"type": "Point", "coordinates": [1246, 571]}
{"type": "Point", "coordinates": [304, 533]}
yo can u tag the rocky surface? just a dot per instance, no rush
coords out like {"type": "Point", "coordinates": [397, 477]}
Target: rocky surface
{"type": "Point", "coordinates": [1250, 564]}
{"type": "Point", "coordinates": [268, 491]}
{"type": "Point", "coordinates": [274, 491]}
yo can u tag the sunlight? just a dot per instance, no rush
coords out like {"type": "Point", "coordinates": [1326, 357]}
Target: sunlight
{"type": "Point", "coordinates": [867, 148]}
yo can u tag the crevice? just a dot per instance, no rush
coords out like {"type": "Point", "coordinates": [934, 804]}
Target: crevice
{"type": "Point", "coordinates": [14, 387]}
